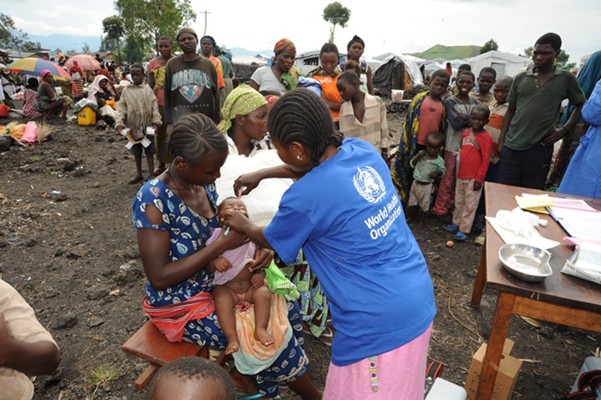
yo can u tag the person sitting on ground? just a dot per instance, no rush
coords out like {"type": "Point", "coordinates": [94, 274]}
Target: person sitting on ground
{"type": "Point", "coordinates": [363, 115]}
{"type": "Point", "coordinates": [426, 114]}
{"type": "Point", "coordinates": [281, 76]}
{"type": "Point", "coordinates": [138, 110]}
{"type": "Point", "coordinates": [355, 49]}
{"type": "Point", "coordinates": [192, 378]}
{"type": "Point", "coordinates": [26, 348]}
{"type": "Point", "coordinates": [326, 74]}
{"type": "Point", "coordinates": [30, 109]}
{"type": "Point", "coordinates": [47, 99]}
{"type": "Point", "coordinates": [236, 287]}
{"type": "Point", "coordinates": [474, 158]}
{"type": "Point", "coordinates": [104, 94]}
{"type": "Point", "coordinates": [427, 166]}
{"type": "Point", "coordinates": [486, 80]}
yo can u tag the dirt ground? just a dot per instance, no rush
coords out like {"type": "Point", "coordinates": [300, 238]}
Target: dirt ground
{"type": "Point", "coordinates": [68, 245]}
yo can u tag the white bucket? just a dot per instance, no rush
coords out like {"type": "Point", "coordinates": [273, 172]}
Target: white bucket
{"type": "Point", "coordinates": [397, 95]}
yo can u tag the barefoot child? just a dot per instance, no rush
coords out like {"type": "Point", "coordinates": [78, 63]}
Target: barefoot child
{"type": "Point", "coordinates": [234, 283]}
{"type": "Point", "coordinates": [474, 158]}
{"type": "Point", "coordinates": [137, 110]}
{"type": "Point", "coordinates": [428, 165]}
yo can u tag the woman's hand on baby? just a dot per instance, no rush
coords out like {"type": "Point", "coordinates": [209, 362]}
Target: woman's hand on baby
{"type": "Point", "coordinates": [244, 184]}
{"type": "Point", "coordinates": [233, 237]}
{"type": "Point", "coordinates": [263, 257]}
{"type": "Point", "coordinates": [257, 279]}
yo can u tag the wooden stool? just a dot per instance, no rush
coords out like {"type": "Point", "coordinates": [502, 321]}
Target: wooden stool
{"type": "Point", "coordinates": [151, 345]}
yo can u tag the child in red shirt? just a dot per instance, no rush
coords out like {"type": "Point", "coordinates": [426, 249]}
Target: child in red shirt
{"type": "Point", "coordinates": [473, 160]}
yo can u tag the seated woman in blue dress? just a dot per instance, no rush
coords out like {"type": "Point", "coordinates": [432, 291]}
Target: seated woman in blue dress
{"type": "Point", "coordinates": [174, 215]}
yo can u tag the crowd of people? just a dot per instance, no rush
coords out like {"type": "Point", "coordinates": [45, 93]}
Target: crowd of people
{"type": "Point", "coordinates": [339, 232]}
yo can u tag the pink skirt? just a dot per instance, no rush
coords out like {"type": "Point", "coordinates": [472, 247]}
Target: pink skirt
{"type": "Point", "coordinates": [396, 375]}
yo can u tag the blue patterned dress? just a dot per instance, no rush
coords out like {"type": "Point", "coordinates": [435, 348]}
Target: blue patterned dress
{"type": "Point", "coordinates": [188, 233]}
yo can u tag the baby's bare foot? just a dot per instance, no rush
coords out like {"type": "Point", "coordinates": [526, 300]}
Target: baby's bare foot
{"type": "Point", "coordinates": [231, 347]}
{"type": "Point", "coordinates": [262, 336]}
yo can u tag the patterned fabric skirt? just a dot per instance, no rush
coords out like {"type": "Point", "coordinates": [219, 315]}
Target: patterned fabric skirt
{"type": "Point", "coordinates": [313, 302]}
{"type": "Point", "coordinates": [291, 364]}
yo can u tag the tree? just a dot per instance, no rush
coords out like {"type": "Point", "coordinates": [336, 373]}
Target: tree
{"type": "Point", "coordinates": [114, 29]}
{"type": "Point", "coordinates": [488, 46]}
{"type": "Point", "coordinates": [7, 26]}
{"type": "Point", "coordinates": [86, 48]}
{"type": "Point", "coordinates": [134, 49]}
{"type": "Point", "coordinates": [13, 38]}
{"type": "Point", "coordinates": [154, 19]}
{"type": "Point", "coordinates": [336, 14]}
{"type": "Point", "coordinates": [561, 60]}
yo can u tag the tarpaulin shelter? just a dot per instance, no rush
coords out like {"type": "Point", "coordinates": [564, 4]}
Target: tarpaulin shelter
{"type": "Point", "coordinates": [397, 72]}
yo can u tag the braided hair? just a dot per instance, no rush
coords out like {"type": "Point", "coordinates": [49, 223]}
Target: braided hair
{"type": "Point", "coordinates": [301, 116]}
{"type": "Point", "coordinates": [193, 136]}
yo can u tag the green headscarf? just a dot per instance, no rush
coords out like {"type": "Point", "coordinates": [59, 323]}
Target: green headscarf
{"type": "Point", "coordinates": [241, 101]}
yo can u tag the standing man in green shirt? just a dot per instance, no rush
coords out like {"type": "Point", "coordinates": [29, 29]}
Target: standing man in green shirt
{"type": "Point", "coordinates": [531, 125]}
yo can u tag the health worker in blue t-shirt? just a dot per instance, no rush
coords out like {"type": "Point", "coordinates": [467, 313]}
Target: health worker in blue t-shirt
{"type": "Point", "coordinates": [345, 214]}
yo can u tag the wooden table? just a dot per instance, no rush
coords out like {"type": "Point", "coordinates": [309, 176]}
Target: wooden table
{"type": "Point", "coordinates": [561, 298]}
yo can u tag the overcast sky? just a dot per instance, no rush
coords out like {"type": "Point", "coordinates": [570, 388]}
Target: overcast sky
{"type": "Point", "coordinates": [395, 26]}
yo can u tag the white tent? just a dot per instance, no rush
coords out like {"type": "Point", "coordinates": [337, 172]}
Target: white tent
{"type": "Point", "coordinates": [504, 63]}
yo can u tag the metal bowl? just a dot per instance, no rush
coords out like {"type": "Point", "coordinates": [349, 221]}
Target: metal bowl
{"type": "Point", "coordinates": [526, 262]}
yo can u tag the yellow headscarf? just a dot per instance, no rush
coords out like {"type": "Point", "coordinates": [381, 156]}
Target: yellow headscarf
{"type": "Point", "coordinates": [241, 101]}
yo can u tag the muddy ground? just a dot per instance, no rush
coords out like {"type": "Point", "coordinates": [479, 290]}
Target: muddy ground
{"type": "Point", "coordinates": [67, 244]}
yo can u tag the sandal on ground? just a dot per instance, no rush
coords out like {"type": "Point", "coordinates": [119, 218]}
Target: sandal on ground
{"type": "Point", "coordinates": [460, 237]}
{"type": "Point", "coordinates": [158, 171]}
{"type": "Point", "coordinates": [136, 179]}
{"type": "Point", "coordinates": [327, 336]}
{"type": "Point", "coordinates": [451, 228]}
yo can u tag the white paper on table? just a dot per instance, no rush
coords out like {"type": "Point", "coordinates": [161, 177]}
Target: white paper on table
{"type": "Point", "coordinates": [579, 241]}
{"type": "Point", "coordinates": [511, 237]}
{"type": "Point", "coordinates": [587, 257]}
{"type": "Point", "coordinates": [576, 204]}
{"type": "Point", "coordinates": [578, 223]}
{"type": "Point", "coordinates": [570, 269]}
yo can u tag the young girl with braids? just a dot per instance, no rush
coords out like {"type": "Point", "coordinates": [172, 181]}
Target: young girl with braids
{"type": "Point", "coordinates": [174, 215]}
{"type": "Point", "coordinates": [346, 215]}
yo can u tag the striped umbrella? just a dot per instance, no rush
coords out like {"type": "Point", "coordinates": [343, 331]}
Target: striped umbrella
{"type": "Point", "coordinates": [34, 66]}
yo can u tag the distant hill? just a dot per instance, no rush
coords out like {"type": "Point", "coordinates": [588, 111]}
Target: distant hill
{"type": "Point", "coordinates": [449, 52]}
{"type": "Point", "coordinates": [242, 52]}
{"type": "Point", "coordinates": [66, 42]}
